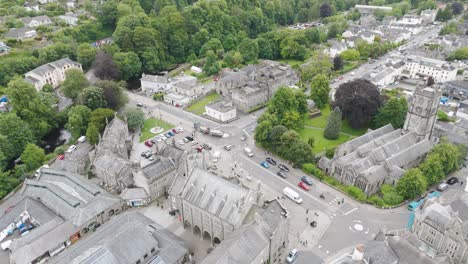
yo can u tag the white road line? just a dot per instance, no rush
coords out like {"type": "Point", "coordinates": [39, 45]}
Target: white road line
{"type": "Point", "coordinates": [367, 231]}
{"type": "Point", "coordinates": [350, 229]}
{"type": "Point", "coordinates": [350, 211]}
{"type": "Point", "coordinates": [319, 246]}
{"type": "Point", "coordinates": [327, 252]}
{"type": "Point", "coordinates": [291, 185]}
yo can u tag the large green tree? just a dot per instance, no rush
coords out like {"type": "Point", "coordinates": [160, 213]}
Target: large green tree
{"type": "Point", "coordinates": [248, 48]}
{"type": "Point", "coordinates": [319, 90]}
{"type": "Point", "coordinates": [74, 83]}
{"type": "Point", "coordinates": [114, 94]}
{"type": "Point", "coordinates": [319, 64]}
{"type": "Point", "coordinates": [393, 112]}
{"type": "Point", "coordinates": [33, 156]}
{"type": "Point", "coordinates": [86, 54]}
{"type": "Point", "coordinates": [432, 169]}
{"type": "Point", "coordinates": [211, 64]}
{"type": "Point", "coordinates": [7, 183]}
{"type": "Point", "coordinates": [333, 128]}
{"type": "Point", "coordinates": [102, 116]}
{"type": "Point", "coordinates": [15, 134]}
{"type": "Point", "coordinates": [449, 155]}
{"type": "Point", "coordinates": [128, 63]}
{"type": "Point", "coordinates": [78, 120]}
{"type": "Point", "coordinates": [92, 97]}
{"type": "Point", "coordinates": [412, 184]}
{"type": "Point", "coordinates": [135, 118]}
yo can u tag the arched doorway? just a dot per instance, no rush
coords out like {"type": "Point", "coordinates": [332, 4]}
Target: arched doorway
{"type": "Point", "coordinates": [216, 241]}
{"type": "Point", "coordinates": [196, 230]}
{"type": "Point", "coordinates": [187, 224]}
{"type": "Point", "coordinates": [206, 236]}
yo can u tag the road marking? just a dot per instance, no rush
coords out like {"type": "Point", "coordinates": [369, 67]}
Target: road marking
{"type": "Point", "coordinates": [291, 185]}
{"type": "Point", "coordinates": [327, 252]}
{"type": "Point", "coordinates": [367, 231]}
{"type": "Point", "coordinates": [319, 246]}
{"type": "Point", "coordinates": [350, 229]}
{"type": "Point", "coordinates": [350, 211]}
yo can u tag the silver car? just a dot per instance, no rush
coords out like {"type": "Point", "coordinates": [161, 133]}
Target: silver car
{"type": "Point", "coordinates": [292, 256]}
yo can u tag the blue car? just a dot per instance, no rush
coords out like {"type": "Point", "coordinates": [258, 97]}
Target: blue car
{"type": "Point", "coordinates": [171, 133]}
{"type": "Point", "coordinates": [264, 164]}
{"type": "Point", "coordinates": [168, 135]}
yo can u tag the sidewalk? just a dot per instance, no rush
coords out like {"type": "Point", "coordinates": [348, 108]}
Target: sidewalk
{"type": "Point", "coordinates": [312, 235]}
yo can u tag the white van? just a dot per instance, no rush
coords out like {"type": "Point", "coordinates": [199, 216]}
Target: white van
{"type": "Point", "coordinates": [442, 187]}
{"type": "Point", "coordinates": [291, 194]}
{"type": "Point", "coordinates": [216, 156]}
{"type": "Point", "coordinates": [248, 152]}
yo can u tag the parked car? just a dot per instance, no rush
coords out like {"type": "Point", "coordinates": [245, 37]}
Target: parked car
{"type": "Point", "coordinates": [162, 137]}
{"type": "Point", "coordinates": [148, 143]}
{"type": "Point", "coordinates": [180, 142]}
{"type": "Point", "coordinates": [442, 187]}
{"type": "Point", "coordinates": [244, 137]}
{"type": "Point", "coordinates": [248, 152]}
{"type": "Point", "coordinates": [71, 149]}
{"type": "Point", "coordinates": [189, 138]}
{"type": "Point", "coordinates": [199, 148]}
{"type": "Point", "coordinates": [271, 161]}
{"type": "Point", "coordinates": [303, 186]}
{"type": "Point", "coordinates": [206, 146]}
{"type": "Point", "coordinates": [153, 140]}
{"type": "Point", "coordinates": [180, 129]}
{"type": "Point", "coordinates": [167, 135]}
{"type": "Point", "coordinates": [281, 174]}
{"type": "Point", "coordinates": [228, 147]}
{"type": "Point", "coordinates": [175, 131]}
{"type": "Point", "coordinates": [264, 165]}
{"type": "Point", "coordinates": [61, 157]}
{"type": "Point", "coordinates": [283, 168]}
{"type": "Point", "coordinates": [306, 180]}
{"type": "Point", "coordinates": [292, 256]}
{"type": "Point", "coordinates": [452, 181]}
{"type": "Point", "coordinates": [194, 143]}
{"type": "Point", "coordinates": [171, 133]}
{"type": "Point", "coordinates": [139, 104]}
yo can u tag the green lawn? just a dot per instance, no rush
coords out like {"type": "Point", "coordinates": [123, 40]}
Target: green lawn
{"type": "Point", "coordinates": [321, 122]}
{"type": "Point", "coordinates": [198, 108]}
{"type": "Point", "coordinates": [150, 123]}
{"type": "Point", "coordinates": [322, 143]}
{"type": "Point", "coordinates": [291, 62]}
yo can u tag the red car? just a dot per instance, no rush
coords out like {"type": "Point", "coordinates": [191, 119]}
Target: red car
{"type": "Point", "coordinates": [175, 131]}
{"type": "Point", "coordinates": [303, 186]}
{"type": "Point", "coordinates": [61, 157]}
{"type": "Point", "coordinates": [148, 143]}
{"type": "Point", "coordinates": [199, 148]}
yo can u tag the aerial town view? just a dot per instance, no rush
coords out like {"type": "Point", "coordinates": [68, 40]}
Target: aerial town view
{"type": "Point", "coordinates": [233, 131]}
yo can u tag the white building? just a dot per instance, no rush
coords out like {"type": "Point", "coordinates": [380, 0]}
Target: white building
{"type": "Point", "coordinates": [221, 111]}
{"type": "Point", "coordinates": [428, 16]}
{"type": "Point", "coordinates": [441, 71]}
{"type": "Point", "coordinates": [336, 48]}
{"type": "Point", "coordinates": [51, 73]}
{"type": "Point", "coordinates": [70, 20]}
{"type": "Point", "coordinates": [369, 10]}
{"type": "Point", "coordinates": [36, 21]}
{"type": "Point", "coordinates": [151, 84]}
{"type": "Point", "coordinates": [196, 69]}
{"type": "Point", "coordinates": [176, 99]}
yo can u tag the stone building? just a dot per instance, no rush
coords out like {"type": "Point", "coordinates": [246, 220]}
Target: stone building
{"type": "Point", "coordinates": [250, 96]}
{"type": "Point", "coordinates": [52, 73]}
{"type": "Point", "coordinates": [209, 205]}
{"type": "Point", "coordinates": [221, 111]}
{"type": "Point", "coordinates": [261, 241]}
{"type": "Point", "coordinates": [383, 155]}
{"type": "Point", "coordinates": [57, 209]}
{"type": "Point", "coordinates": [441, 225]}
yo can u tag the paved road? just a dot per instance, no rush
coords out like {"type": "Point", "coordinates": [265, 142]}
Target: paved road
{"type": "Point", "coordinates": [351, 222]}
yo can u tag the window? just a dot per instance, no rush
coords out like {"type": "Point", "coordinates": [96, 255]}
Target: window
{"type": "Point", "coordinates": [145, 256]}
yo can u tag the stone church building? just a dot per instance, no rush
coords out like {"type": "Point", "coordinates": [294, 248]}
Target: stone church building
{"type": "Point", "coordinates": [383, 155]}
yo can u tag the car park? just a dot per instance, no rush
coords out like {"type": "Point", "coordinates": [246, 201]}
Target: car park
{"type": "Point", "coordinates": [271, 161]}
{"type": "Point", "coordinates": [283, 168]}
{"type": "Point", "coordinates": [264, 165]}
{"type": "Point", "coordinates": [148, 143]}
{"type": "Point", "coordinates": [452, 181]}
{"type": "Point", "coordinates": [281, 174]}
{"type": "Point", "coordinates": [306, 180]}
{"type": "Point", "coordinates": [303, 186]}
{"type": "Point", "coordinates": [228, 147]}
{"type": "Point", "coordinates": [291, 257]}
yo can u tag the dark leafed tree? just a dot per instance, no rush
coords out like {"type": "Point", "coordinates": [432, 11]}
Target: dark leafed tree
{"type": "Point", "coordinates": [325, 10]}
{"type": "Point", "coordinates": [104, 67]}
{"type": "Point", "coordinates": [430, 81]}
{"type": "Point", "coordinates": [359, 101]}
{"type": "Point", "coordinates": [457, 8]}
{"type": "Point", "coordinates": [333, 128]}
{"type": "Point", "coordinates": [338, 63]}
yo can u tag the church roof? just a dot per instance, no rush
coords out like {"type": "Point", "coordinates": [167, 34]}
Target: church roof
{"type": "Point", "coordinates": [410, 154]}
{"type": "Point", "coordinates": [357, 142]}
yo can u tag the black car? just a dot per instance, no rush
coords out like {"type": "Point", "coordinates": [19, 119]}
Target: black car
{"type": "Point", "coordinates": [281, 174]}
{"type": "Point", "coordinates": [283, 168]}
{"type": "Point", "coordinates": [189, 138]}
{"type": "Point", "coordinates": [306, 180]}
{"type": "Point", "coordinates": [271, 161]}
{"type": "Point", "coordinates": [452, 181]}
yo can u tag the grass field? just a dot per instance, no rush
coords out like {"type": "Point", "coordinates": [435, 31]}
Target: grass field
{"type": "Point", "coordinates": [198, 108]}
{"type": "Point", "coordinates": [291, 62]}
{"type": "Point", "coordinates": [150, 123]}
{"type": "Point", "coordinates": [321, 122]}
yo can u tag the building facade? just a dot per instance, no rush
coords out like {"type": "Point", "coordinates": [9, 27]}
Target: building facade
{"type": "Point", "coordinates": [34, 22]}
{"type": "Point", "coordinates": [51, 73]}
{"type": "Point", "coordinates": [221, 111]}
{"type": "Point", "coordinates": [441, 71]}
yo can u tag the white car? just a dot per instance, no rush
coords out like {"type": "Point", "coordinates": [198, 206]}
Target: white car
{"type": "Point", "coordinates": [163, 137]}
{"type": "Point", "coordinates": [292, 256]}
{"type": "Point", "coordinates": [180, 142]}
{"type": "Point", "coordinates": [71, 149]}
{"type": "Point", "coordinates": [179, 129]}
{"type": "Point", "coordinates": [194, 143]}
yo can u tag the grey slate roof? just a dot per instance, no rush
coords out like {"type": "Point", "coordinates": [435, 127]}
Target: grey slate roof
{"type": "Point", "coordinates": [114, 139]}
{"type": "Point", "coordinates": [123, 240]}
{"type": "Point", "coordinates": [355, 143]}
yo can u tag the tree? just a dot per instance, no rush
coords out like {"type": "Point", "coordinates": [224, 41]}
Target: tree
{"type": "Point", "coordinates": [113, 94]}
{"type": "Point", "coordinates": [214, 45]}
{"type": "Point", "coordinates": [432, 169]}
{"type": "Point", "coordinates": [444, 14]}
{"type": "Point", "coordinates": [248, 48]}
{"type": "Point", "coordinates": [92, 97]}
{"type": "Point", "coordinates": [311, 142]}
{"type": "Point", "coordinates": [449, 156]}
{"type": "Point", "coordinates": [275, 135]}
{"type": "Point", "coordinates": [450, 28]}
{"type": "Point", "coordinates": [459, 54]}
{"type": "Point", "coordinates": [319, 64]}
{"type": "Point", "coordinates": [338, 63]}
{"type": "Point", "coordinates": [319, 90]}
{"type": "Point", "coordinates": [457, 8]}
{"type": "Point", "coordinates": [135, 118]}
{"type": "Point", "coordinates": [104, 67]}
{"type": "Point", "coordinates": [232, 59]}
{"type": "Point", "coordinates": [15, 134]}
{"type": "Point", "coordinates": [7, 183]}
{"type": "Point", "coordinates": [108, 13]}
{"type": "Point", "coordinates": [262, 132]}
{"type": "Point", "coordinates": [92, 134]}
{"type": "Point", "coordinates": [412, 184]}
{"type": "Point", "coordinates": [86, 54]}
{"type": "Point", "coordinates": [325, 10]}
{"type": "Point", "coordinates": [211, 64]}
{"type": "Point", "coordinates": [78, 120]}
{"type": "Point", "coordinates": [359, 101]}
{"type": "Point", "coordinates": [128, 63]}
{"type": "Point", "coordinates": [284, 103]}
{"type": "Point", "coordinates": [333, 128]}
{"type": "Point", "coordinates": [100, 117]}
{"type": "Point", "coordinates": [393, 112]}
{"type": "Point", "coordinates": [33, 156]}
{"type": "Point", "coordinates": [74, 83]}
{"type": "Point", "coordinates": [350, 55]}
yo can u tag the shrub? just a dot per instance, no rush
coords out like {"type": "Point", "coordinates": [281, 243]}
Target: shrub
{"type": "Point", "coordinates": [59, 150]}
{"type": "Point", "coordinates": [386, 188]}
{"type": "Point", "coordinates": [158, 96]}
{"type": "Point", "coordinates": [392, 198]}
{"type": "Point", "coordinates": [330, 152]}
{"type": "Point", "coordinates": [332, 181]}
{"type": "Point", "coordinates": [356, 193]}
{"type": "Point", "coordinates": [376, 200]}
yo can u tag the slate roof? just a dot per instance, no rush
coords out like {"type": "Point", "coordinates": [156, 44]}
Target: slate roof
{"type": "Point", "coordinates": [221, 106]}
{"type": "Point", "coordinates": [17, 32]}
{"type": "Point", "coordinates": [50, 67]}
{"type": "Point", "coordinates": [154, 78]}
{"type": "Point", "coordinates": [218, 196]}
{"type": "Point", "coordinates": [28, 20]}
{"type": "Point", "coordinates": [125, 239]}
{"type": "Point", "coordinates": [355, 143]}
{"type": "Point", "coordinates": [114, 139]}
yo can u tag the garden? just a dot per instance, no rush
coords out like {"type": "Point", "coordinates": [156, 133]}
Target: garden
{"type": "Point", "coordinates": [198, 107]}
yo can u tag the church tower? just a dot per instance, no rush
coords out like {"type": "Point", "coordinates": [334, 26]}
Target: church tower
{"type": "Point", "coordinates": [422, 112]}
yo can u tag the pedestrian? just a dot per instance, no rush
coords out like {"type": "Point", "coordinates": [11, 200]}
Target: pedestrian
{"type": "Point", "coordinates": [306, 243]}
{"type": "Point", "coordinates": [342, 200]}
{"type": "Point", "coordinates": [307, 219]}
{"type": "Point", "coordinates": [339, 202]}
{"type": "Point", "coordinates": [307, 211]}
